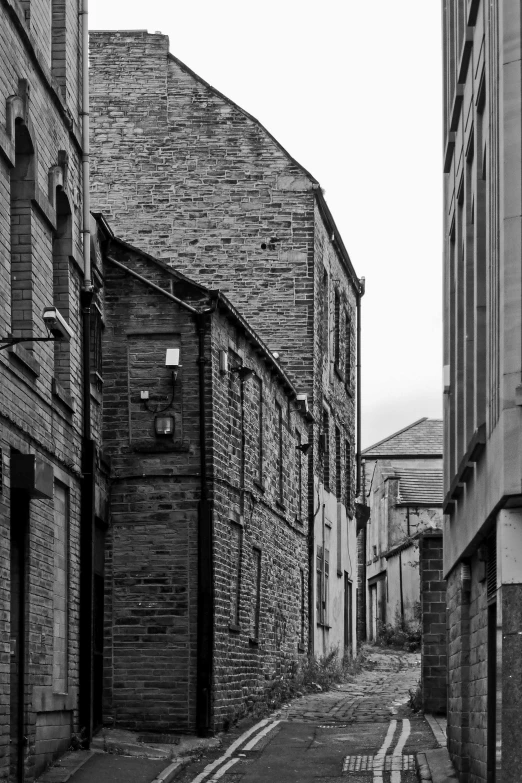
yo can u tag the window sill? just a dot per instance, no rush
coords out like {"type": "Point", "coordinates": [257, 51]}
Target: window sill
{"type": "Point", "coordinates": [280, 506]}
{"type": "Point", "coordinates": [234, 627]}
{"type": "Point", "coordinates": [298, 521]}
{"type": "Point", "coordinates": [339, 573]}
{"type": "Point", "coordinates": [253, 641]}
{"type": "Point", "coordinates": [61, 394]}
{"type": "Point", "coordinates": [349, 390]}
{"type": "Point", "coordinates": [324, 625]}
{"type": "Point", "coordinates": [301, 648]}
{"type": "Point", "coordinates": [161, 447]}
{"type": "Point", "coordinates": [25, 357]}
{"type": "Point", "coordinates": [339, 372]}
{"type": "Point", "coordinates": [96, 393]}
{"type": "Point", "coordinates": [259, 484]}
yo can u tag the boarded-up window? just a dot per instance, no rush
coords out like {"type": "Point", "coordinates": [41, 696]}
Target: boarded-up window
{"type": "Point", "coordinates": [234, 559]}
{"type": "Point", "coordinates": [256, 596]}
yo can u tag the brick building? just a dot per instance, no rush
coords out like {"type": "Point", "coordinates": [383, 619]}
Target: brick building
{"type": "Point", "coordinates": [190, 177]}
{"type": "Point", "coordinates": [45, 488]}
{"type": "Point", "coordinates": [403, 586]}
{"type": "Point", "coordinates": [207, 549]}
{"type": "Point", "coordinates": [483, 384]}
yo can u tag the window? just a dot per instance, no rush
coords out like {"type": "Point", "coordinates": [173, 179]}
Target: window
{"type": "Point", "coordinates": [348, 475]}
{"type": "Point", "coordinates": [258, 402]}
{"type": "Point", "coordinates": [58, 42]}
{"type": "Point", "coordinates": [326, 316]}
{"type": "Point", "coordinates": [322, 586]}
{"type": "Point", "coordinates": [338, 481]}
{"type": "Point", "coordinates": [234, 419]}
{"type": "Point", "coordinates": [279, 454]}
{"type": "Point", "coordinates": [302, 634]}
{"type": "Point", "coordinates": [337, 329]}
{"type": "Point", "coordinates": [97, 327]}
{"type": "Point", "coordinates": [62, 251]}
{"type": "Point", "coordinates": [235, 548]}
{"type": "Point", "coordinates": [256, 597]}
{"type": "Point", "coordinates": [325, 443]}
{"type": "Point", "coordinates": [22, 293]}
{"type": "Point", "coordinates": [347, 348]}
{"type": "Point", "coordinates": [60, 587]}
{"type": "Point", "coordinates": [299, 476]}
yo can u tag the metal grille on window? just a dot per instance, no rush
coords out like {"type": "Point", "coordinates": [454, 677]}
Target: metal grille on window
{"type": "Point", "coordinates": [491, 567]}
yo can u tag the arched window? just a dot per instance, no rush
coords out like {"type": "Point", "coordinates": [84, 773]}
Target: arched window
{"type": "Point", "coordinates": [22, 278]}
{"type": "Point", "coordinates": [62, 251]}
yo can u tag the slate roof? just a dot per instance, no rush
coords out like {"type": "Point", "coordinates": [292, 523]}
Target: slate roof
{"type": "Point", "coordinates": [423, 437]}
{"type": "Point", "coordinates": [420, 486]}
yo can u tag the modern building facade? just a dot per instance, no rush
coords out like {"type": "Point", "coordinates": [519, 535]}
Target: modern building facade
{"type": "Point", "coordinates": [483, 374]}
{"type": "Point", "coordinates": [47, 491]}
{"type": "Point", "coordinates": [404, 587]}
{"type": "Point", "coordinates": [206, 561]}
{"type": "Point", "coordinates": [187, 175]}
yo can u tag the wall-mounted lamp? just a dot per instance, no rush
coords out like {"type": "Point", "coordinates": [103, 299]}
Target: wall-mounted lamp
{"type": "Point", "coordinates": [164, 425]}
{"type": "Point", "coordinates": [304, 447]}
{"type": "Point", "coordinates": [244, 373]}
{"type": "Point", "coordinates": [58, 330]}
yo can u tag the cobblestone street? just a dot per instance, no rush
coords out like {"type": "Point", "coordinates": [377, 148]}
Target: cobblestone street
{"type": "Point", "coordinates": [363, 731]}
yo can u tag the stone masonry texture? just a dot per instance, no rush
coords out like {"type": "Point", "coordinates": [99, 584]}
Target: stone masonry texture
{"type": "Point", "coordinates": [183, 173]}
{"type": "Point", "coordinates": [41, 398]}
{"type": "Point", "coordinates": [260, 530]}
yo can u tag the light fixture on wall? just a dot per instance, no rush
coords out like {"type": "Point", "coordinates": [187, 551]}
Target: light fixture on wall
{"type": "Point", "coordinates": [58, 330]}
{"type": "Point", "coordinates": [164, 425]}
{"type": "Point", "coordinates": [244, 373]}
{"type": "Point", "coordinates": [304, 447]}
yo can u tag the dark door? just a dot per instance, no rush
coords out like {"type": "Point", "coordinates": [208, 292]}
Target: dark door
{"type": "Point", "coordinates": [347, 614]}
{"type": "Point", "coordinates": [19, 523]}
{"type": "Point", "coordinates": [98, 609]}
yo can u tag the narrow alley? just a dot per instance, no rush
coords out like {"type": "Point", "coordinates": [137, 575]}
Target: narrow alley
{"type": "Point", "coordinates": [363, 731]}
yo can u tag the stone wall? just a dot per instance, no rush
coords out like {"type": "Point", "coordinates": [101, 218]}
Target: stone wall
{"type": "Point", "coordinates": [258, 500]}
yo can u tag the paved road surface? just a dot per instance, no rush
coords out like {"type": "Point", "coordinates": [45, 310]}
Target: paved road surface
{"type": "Point", "coordinates": [362, 732]}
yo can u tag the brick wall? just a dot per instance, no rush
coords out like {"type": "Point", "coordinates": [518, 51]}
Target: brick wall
{"type": "Point", "coordinates": [35, 417]}
{"type": "Point", "coordinates": [152, 546]}
{"type": "Point", "coordinates": [433, 607]}
{"type": "Point", "coordinates": [467, 672]}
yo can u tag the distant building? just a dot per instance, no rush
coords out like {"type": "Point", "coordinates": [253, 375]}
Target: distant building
{"type": "Point", "coordinates": [403, 545]}
{"type": "Point", "coordinates": [206, 579]}
{"type": "Point", "coordinates": [483, 385]}
{"type": "Point", "coordinates": [187, 175]}
{"type": "Point", "coordinates": [48, 430]}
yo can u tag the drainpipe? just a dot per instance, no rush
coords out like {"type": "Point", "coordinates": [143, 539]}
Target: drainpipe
{"type": "Point", "coordinates": [88, 448]}
{"type": "Point", "coordinates": [205, 550]}
{"type": "Point", "coordinates": [362, 289]}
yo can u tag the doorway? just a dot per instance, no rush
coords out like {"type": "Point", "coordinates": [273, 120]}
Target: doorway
{"type": "Point", "coordinates": [492, 693]}
{"type": "Point", "coordinates": [98, 612]}
{"type": "Point", "coordinates": [348, 638]}
{"type": "Point", "coordinates": [19, 527]}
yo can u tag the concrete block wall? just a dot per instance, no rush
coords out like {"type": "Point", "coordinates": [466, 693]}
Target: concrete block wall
{"type": "Point", "coordinates": [434, 643]}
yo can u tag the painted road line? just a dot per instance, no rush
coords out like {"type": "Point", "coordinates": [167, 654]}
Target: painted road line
{"type": "Point", "coordinates": [223, 769]}
{"type": "Point", "coordinates": [378, 762]}
{"type": "Point", "coordinates": [211, 767]}
{"type": "Point", "coordinates": [397, 753]}
{"type": "Point", "coordinates": [259, 737]}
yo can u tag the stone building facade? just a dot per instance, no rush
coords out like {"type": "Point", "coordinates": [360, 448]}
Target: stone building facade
{"type": "Point", "coordinates": [190, 177]}
{"type": "Point", "coordinates": [207, 548]}
{"type": "Point", "coordinates": [483, 384]}
{"type": "Point", "coordinates": [404, 587]}
{"type": "Point", "coordinates": [43, 481]}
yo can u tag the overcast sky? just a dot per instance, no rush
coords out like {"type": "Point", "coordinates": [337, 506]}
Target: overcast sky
{"type": "Point", "coordinates": [353, 91]}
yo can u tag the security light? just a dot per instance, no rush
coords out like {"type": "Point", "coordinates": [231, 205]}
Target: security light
{"type": "Point", "coordinates": [304, 447]}
{"type": "Point", "coordinates": [164, 425]}
{"type": "Point", "coordinates": [56, 324]}
{"type": "Point", "coordinates": [172, 358]}
{"type": "Point", "coordinates": [243, 372]}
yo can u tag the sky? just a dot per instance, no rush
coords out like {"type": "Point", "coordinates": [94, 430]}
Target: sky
{"type": "Point", "coordinates": [353, 91]}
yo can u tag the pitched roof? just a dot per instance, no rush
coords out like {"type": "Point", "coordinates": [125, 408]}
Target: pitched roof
{"type": "Point", "coordinates": [420, 486]}
{"type": "Point", "coordinates": [423, 437]}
